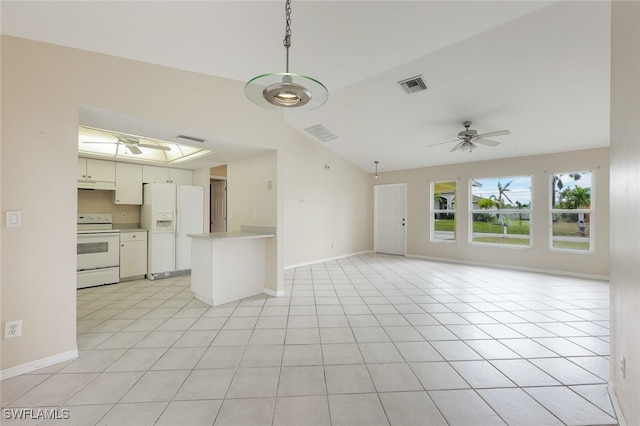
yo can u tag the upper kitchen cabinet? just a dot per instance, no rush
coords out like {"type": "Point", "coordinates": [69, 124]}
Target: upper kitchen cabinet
{"type": "Point", "coordinates": [155, 174]}
{"type": "Point", "coordinates": [96, 174]}
{"type": "Point", "coordinates": [128, 184]}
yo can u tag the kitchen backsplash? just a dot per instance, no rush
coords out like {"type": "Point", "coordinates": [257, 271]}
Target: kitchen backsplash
{"type": "Point", "coordinates": [99, 201]}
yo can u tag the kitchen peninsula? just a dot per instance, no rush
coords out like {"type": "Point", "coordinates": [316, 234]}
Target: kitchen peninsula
{"type": "Point", "coordinates": [229, 266]}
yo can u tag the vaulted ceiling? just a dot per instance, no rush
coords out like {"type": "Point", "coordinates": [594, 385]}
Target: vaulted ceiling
{"type": "Point", "coordinates": [539, 69]}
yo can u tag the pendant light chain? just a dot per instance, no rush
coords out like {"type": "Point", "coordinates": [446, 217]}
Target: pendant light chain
{"type": "Point", "coordinates": [287, 33]}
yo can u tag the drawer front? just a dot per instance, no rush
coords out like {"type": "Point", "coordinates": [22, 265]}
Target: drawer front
{"type": "Point", "coordinates": [133, 236]}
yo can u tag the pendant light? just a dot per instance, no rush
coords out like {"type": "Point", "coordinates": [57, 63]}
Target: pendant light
{"type": "Point", "coordinates": [376, 176]}
{"type": "Point", "coordinates": [285, 89]}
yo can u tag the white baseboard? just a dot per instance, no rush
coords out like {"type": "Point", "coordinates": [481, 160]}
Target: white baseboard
{"type": "Point", "coordinates": [329, 259]}
{"type": "Point", "coordinates": [512, 267]}
{"type": "Point", "coordinates": [28, 367]}
{"type": "Point", "coordinates": [270, 292]}
{"type": "Point", "coordinates": [616, 405]}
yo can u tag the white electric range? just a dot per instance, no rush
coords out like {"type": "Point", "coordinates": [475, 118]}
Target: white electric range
{"type": "Point", "coordinates": [98, 250]}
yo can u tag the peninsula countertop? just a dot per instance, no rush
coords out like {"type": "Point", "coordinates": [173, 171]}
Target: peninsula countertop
{"type": "Point", "coordinates": [232, 235]}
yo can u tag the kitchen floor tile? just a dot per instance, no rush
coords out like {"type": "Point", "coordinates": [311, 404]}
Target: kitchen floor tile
{"type": "Point", "coordinates": [353, 341]}
{"type": "Point", "coordinates": [299, 381]}
{"type": "Point", "coordinates": [570, 407]}
{"type": "Point", "coordinates": [145, 413]}
{"type": "Point", "coordinates": [358, 409]}
{"type": "Point", "coordinates": [566, 372]}
{"type": "Point", "coordinates": [343, 379]}
{"type": "Point", "coordinates": [411, 409]}
{"type": "Point", "coordinates": [438, 375]}
{"type": "Point", "coordinates": [254, 412]}
{"type": "Point", "coordinates": [301, 410]}
{"type": "Point", "coordinates": [516, 407]}
{"type": "Point", "coordinates": [464, 407]}
{"type": "Point", "coordinates": [481, 374]}
{"type": "Point", "coordinates": [206, 384]}
{"type": "Point", "coordinates": [190, 413]}
{"type": "Point", "coordinates": [393, 377]}
{"type": "Point", "coordinates": [156, 386]}
{"type": "Point", "coordinates": [254, 382]}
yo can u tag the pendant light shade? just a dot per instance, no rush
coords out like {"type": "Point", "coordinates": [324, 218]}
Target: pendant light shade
{"type": "Point", "coordinates": [286, 90]}
{"type": "Point", "coordinates": [376, 176]}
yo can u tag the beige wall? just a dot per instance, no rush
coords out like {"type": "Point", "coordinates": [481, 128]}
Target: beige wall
{"type": "Point", "coordinates": [539, 257]}
{"type": "Point", "coordinates": [98, 201]}
{"type": "Point", "coordinates": [219, 171]}
{"type": "Point", "coordinates": [625, 205]}
{"type": "Point", "coordinates": [42, 88]}
{"type": "Point", "coordinates": [250, 201]}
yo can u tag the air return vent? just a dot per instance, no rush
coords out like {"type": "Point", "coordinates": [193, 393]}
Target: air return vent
{"type": "Point", "coordinates": [191, 138]}
{"type": "Point", "coordinates": [321, 133]}
{"type": "Point", "coordinates": [413, 84]}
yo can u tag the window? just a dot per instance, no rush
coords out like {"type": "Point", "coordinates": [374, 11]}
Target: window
{"type": "Point", "coordinates": [443, 209]}
{"type": "Point", "coordinates": [571, 215]}
{"type": "Point", "coordinates": [501, 211]}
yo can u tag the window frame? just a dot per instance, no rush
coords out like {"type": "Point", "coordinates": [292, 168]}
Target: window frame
{"type": "Point", "coordinates": [433, 211]}
{"type": "Point", "coordinates": [585, 211]}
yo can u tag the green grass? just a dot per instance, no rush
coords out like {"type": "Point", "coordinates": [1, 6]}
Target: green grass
{"type": "Point", "coordinates": [502, 240]}
{"type": "Point", "coordinates": [567, 229]}
{"type": "Point", "coordinates": [572, 245]}
{"type": "Point", "coordinates": [520, 227]}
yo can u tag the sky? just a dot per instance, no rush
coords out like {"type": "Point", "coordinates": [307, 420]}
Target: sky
{"type": "Point", "coordinates": [520, 187]}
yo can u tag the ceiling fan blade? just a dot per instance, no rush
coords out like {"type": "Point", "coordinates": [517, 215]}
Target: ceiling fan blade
{"type": "Point", "coordinates": [164, 148]}
{"type": "Point", "coordinates": [487, 142]}
{"type": "Point", "coordinates": [441, 143]}
{"type": "Point", "coordinates": [458, 146]}
{"type": "Point", "coordinates": [102, 142]}
{"type": "Point", "coordinates": [498, 133]}
{"type": "Point", "coordinates": [133, 148]}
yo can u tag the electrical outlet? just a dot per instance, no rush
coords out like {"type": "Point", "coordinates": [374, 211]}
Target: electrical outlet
{"type": "Point", "coordinates": [12, 329]}
{"type": "Point", "coordinates": [623, 367]}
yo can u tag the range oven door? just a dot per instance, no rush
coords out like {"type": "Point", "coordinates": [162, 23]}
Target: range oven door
{"type": "Point", "coordinates": [98, 259]}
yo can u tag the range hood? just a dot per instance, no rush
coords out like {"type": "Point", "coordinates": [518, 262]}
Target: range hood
{"type": "Point", "coordinates": [91, 184]}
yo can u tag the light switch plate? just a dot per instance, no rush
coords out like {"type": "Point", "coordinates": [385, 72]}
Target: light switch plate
{"type": "Point", "coordinates": [13, 218]}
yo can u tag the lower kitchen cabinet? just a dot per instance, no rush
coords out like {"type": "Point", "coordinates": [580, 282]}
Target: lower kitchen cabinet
{"type": "Point", "coordinates": [133, 254]}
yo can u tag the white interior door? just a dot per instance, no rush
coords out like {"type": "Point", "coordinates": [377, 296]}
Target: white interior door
{"type": "Point", "coordinates": [390, 231]}
{"type": "Point", "coordinates": [218, 206]}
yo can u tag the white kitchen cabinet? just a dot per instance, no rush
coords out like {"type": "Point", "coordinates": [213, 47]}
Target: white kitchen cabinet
{"type": "Point", "coordinates": [90, 169]}
{"type": "Point", "coordinates": [181, 176]}
{"type": "Point", "coordinates": [128, 184]}
{"type": "Point", "coordinates": [155, 174]}
{"type": "Point", "coordinates": [133, 254]}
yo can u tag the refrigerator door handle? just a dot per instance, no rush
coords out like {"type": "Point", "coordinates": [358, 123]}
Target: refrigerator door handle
{"type": "Point", "coordinates": [177, 228]}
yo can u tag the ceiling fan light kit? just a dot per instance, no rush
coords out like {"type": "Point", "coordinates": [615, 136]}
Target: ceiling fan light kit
{"type": "Point", "coordinates": [286, 90]}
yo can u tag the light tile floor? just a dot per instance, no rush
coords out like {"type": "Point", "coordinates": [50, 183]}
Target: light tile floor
{"type": "Point", "coordinates": [366, 340]}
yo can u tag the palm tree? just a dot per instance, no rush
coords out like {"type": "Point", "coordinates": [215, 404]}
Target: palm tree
{"type": "Point", "coordinates": [556, 181]}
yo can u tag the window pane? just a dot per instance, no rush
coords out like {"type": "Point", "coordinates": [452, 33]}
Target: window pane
{"type": "Point", "coordinates": [571, 231]}
{"type": "Point", "coordinates": [571, 190]}
{"type": "Point", "coordinates": [443, 226]}
{"type": "Point", "coordinates": [501, 210]}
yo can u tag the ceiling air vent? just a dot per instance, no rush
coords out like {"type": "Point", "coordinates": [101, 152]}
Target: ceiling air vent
{"type": "Point", "coordinates": [191, 138]}
{"type": "Point", "coordinates": [413, 84]}
{"type": "Point", "coordinates": [321, 133]}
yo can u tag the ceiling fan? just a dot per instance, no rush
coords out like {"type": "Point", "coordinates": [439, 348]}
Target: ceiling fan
{"type": "Point", "coordinates": [468, 138]}
{"type": "Point", "coordinates": [132, 144]}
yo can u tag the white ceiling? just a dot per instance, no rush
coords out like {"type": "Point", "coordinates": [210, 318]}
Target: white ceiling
{"type": "Point", "coordinates": [539, 69]}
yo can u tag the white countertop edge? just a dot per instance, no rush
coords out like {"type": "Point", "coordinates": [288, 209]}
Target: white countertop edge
{"type": "Point", "coordinates": [231, 235]}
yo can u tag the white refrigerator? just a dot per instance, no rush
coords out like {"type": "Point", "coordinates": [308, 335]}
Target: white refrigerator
{"type": "Point", "coordinates": [169, 213]}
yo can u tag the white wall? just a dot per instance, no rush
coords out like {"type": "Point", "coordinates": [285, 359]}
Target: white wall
{"type": "Point", "coordinates": [625, 205]}
{"type": "Point", "coordinates": [42, 88]}
{"type": "Point", "coordinates": [539, 257]}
